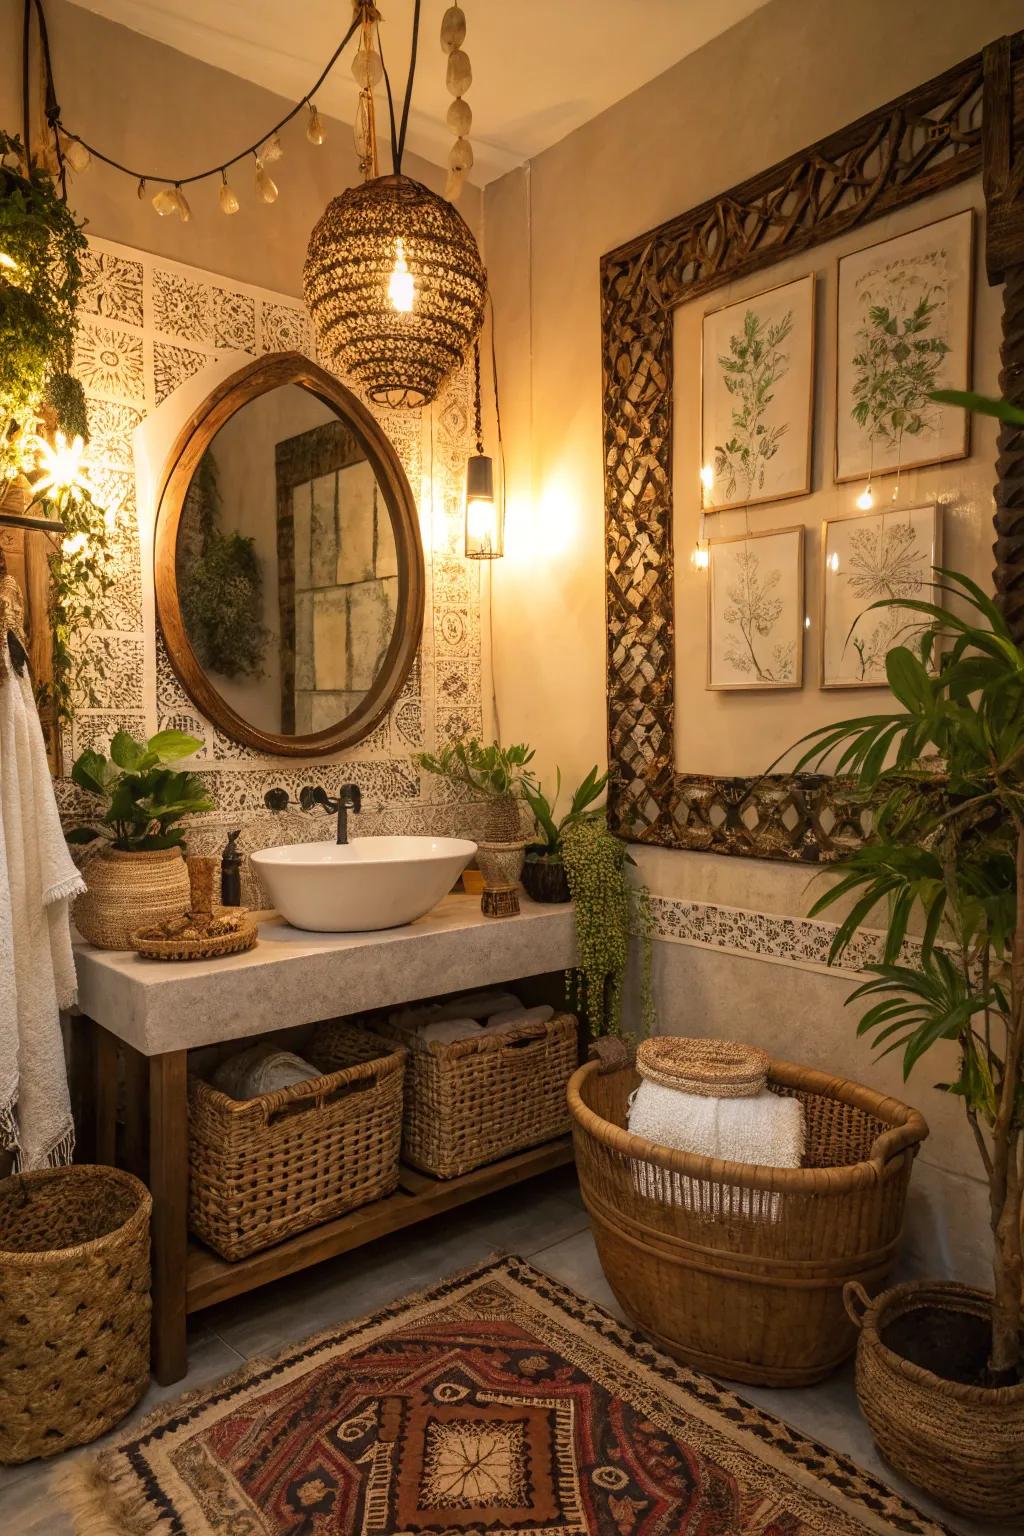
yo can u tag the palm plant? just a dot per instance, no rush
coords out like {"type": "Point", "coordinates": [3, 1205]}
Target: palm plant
{"type": "Point", "coordinates": [581, 808]}
{"type": "Point", "coordinates": [947, 772]}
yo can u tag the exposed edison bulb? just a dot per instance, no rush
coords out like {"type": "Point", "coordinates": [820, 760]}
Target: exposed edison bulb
{"type": "Point", "coordinates": [266, 186]}
{"type": "Point", "coordinates": [226, 197]}
{"type": "Point", "coordinates": [700, 557]}
{"type": "Point", "coordinates": [401, 288]}
{"type": "Point", "coordinates": [833, 561]}
{"type": "Point", "coordinates": [866, 499]}
{"type": "Point", "coordinates": [75, 544]}
{"type": "Point", "coordinates": [165, 202]}
{"type": "Point", "coordinates": [807, 621]}
{"type": "Point", "coordinates": [707, 477]}
{"type": "Point", "coordinates": [315, 128]}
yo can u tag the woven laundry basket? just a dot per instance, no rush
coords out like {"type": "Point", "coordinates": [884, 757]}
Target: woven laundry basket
{"type": "Point", "coordinates": [263, 1169]}
{"type": "Point", "coordinates": [74, 1306]}
{"type": "Point", "coordinates": [735, 1268]}
{"type": "Point", "coordinates": [473, 1101]}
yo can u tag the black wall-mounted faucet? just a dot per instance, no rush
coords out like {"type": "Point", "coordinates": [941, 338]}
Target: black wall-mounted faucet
{"type": "Point", "coordinates": [349, 799]}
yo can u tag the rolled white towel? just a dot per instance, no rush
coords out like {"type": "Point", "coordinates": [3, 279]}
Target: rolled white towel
{"type": "Point", "coordinates": [447, 1031]}
{"type": "Point", "coordinates": [261, 1069]}
{"type": "Point", "coordinates": [478, 1005]}
{"type": "Point", "coordinates": [509, 1018]}
{"type": "Point", "coordinates": [766, 1128]}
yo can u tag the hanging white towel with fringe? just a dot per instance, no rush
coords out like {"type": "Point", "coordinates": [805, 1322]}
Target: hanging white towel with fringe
{"type": "Point", "coordinates": [37, 967]}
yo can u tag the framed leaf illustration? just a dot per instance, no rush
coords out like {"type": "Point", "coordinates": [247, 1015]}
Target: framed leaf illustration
{"type": "Point", "coordinates": [756, 610]}
{"type": "Point", "coordinates": [865, 559]}
{"type": "Point", "coordinates": [757, 396]}
{"type": "Point", "coordinates": [903, 329]}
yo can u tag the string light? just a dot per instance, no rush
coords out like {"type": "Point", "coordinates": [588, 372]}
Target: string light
{"type": "Point", "coordinates": [314, 128]}
{"type": "Point", "coordinates": [707, 477]}
{"type": "Point", "coordinates": [402, 287]}
{"type": "Point", "coordinates": [266, 186]}
{"type": "Point", "coordinates": [833, 562]}
{"type": "Point", "coordinates": [226, 197]}
{"type": "Point", "coordinates": [271, 150]}
{"type": "Point", "coordinates": [700, 557]}
{"type": "Point", "coordinates": [866, 499]}
{"type": "Point", "coordinates": [62, 466]}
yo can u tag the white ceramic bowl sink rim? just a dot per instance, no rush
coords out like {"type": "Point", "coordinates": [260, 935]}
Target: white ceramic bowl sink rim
{"type": "Point", "coordinates": [362, 886]}
{"type": "Point", "coordinates": [366, 851]}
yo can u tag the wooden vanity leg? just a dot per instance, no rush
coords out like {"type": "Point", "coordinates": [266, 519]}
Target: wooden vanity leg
{"type": "Point", "coordinates": [168, 1183]}
{"type": "Point", "coordinates": [105, 1079]}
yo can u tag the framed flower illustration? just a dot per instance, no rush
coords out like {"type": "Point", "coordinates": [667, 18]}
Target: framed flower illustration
{"type": "Point", "coordinates": [756, 610]}
{"type": "Point", "coordinates": [887, 554]}
{"type": "Point", "coordinates": [757, 389]}
{"type": "Point", "coordinates": [903, 328]}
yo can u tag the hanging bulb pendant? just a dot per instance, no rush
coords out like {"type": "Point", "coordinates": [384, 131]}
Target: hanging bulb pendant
{"type": "Point", "coordinates": [226, 196]}
{"type": "Point", "coordinates": [266, 186]}
{"type": "Point", "coordinates": [314, 128]}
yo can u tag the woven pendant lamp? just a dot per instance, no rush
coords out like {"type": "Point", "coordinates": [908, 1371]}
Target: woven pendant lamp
{"type": "Point", "coordinates": [395, 285]}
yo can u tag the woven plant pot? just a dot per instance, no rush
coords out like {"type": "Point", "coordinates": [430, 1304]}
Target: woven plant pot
{"type": "Point", "coordinates": [501, 821]}
{"type": "Point", "coordinates": [501, 864]}
{"type": "Point", "coordinates": [546, 880]}
{"type": "Point", "coordinates": [962, 1445]}
{"type": "Point", "coordinates": [74, 1306]}
{"type": "Point", "coordinates": [127, 892]}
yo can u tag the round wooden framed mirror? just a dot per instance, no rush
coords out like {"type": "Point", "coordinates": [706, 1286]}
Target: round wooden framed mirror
{"type": "Point", "coordinates": [288, 563]}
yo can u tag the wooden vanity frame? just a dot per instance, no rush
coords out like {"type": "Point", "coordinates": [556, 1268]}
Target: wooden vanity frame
{"type": "Point", "coordinates": [187, 1277]}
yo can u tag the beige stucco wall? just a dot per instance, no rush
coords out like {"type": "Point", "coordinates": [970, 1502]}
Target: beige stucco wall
{"type": "Point", "coordinates": [789, 74]}
{"type": "Point", "coordinates": [151, 107]}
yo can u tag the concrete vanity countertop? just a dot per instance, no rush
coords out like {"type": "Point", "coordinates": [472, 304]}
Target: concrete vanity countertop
{"type": "Point", "coordinates": [293, 977]}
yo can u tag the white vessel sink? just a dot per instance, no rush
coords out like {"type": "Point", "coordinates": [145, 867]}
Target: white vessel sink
{"type": "Point", "coordinates": [368, 883]}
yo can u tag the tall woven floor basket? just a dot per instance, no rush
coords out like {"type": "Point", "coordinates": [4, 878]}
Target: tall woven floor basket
{"type": "Point", "coordinates": [74, 1306]}
{"type": "Point", "coordinates": [731, 1267]}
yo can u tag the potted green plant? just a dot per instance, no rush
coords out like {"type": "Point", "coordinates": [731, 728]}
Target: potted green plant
{"type": "Point", "coordinates": [939, 1371]}
{"type": "Point", "coordinates": [494, 776]}
{"type": "Point", "coordinates": [544, 874]}
{"type": "Point", "coordinates": [137, 877]}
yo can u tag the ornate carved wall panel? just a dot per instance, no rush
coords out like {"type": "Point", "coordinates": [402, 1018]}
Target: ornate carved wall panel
{"type": "Point", "coordinates": [926, 140]}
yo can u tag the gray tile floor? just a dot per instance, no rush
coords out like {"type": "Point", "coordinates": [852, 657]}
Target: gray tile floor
{"type": "Point", "coordinates": [543, 1221]}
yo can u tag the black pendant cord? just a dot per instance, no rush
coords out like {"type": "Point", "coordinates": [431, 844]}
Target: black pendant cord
{"type": "Point", "coordinates": [478, 425]}
{"type": "Point", "coordinates": [398, 133]}
{"type": "Point", "coordinates": [391, 105]}
{"type": "Point", "coordinates": [54, 118]}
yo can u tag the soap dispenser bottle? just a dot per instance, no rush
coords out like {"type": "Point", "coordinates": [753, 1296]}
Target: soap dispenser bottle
{"type": "Point", "coordinates": [231, 872]}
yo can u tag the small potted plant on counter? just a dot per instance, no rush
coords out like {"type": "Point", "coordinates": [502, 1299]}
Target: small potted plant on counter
{"type": "Point", "coordinates": [494, 776]}
{"type": "Point", "coordinates": [137, 878]}
{"type": "Point", "coordinates": [544, 874]}
{"type": "Point", "coordinates": [940, 1367]}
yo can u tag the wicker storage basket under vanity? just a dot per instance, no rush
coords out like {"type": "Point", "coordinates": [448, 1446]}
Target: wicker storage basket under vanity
{"type": "Point", "coordinates": [473, 1101]}
{"type": "Point", "coordinates": [262, 1169]}
{"type": "Point", "coordinates": [735, 1268]}
{"type": "Point", "coordinates": [74, 1306]}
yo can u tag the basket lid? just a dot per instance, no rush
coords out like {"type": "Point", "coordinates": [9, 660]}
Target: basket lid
{"type": "Point", "coordinates": [718, 1069]}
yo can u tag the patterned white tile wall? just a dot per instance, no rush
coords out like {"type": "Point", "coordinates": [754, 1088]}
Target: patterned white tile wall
{"type": "Point", "coordinates": [147, 327]}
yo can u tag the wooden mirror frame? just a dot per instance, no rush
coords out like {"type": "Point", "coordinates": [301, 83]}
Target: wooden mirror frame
{"type": "Point", "coordinates": [258, 378]}
{"type": "Point", "coordinates": [967, 120]}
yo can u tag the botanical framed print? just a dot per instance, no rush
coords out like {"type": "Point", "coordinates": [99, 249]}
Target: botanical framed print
{"type": "Point", "coordinates": [757, 397]}
{"type": "Point", "coordinates": [903, 329]}
{"type": "Point", "coordinates": [864, 559]}
{"type": "Point", "coordinates": [756, 610]}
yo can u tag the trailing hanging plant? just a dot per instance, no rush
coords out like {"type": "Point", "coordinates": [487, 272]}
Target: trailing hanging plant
{"type": "Point", "coordinates": [609, 909]}
{"type": "Point", "coordinates": [40, 274]}
{"type": "Point", "coordinates": [222, 593]}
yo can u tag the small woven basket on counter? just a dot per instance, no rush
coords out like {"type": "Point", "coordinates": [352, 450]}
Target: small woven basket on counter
{"type": "Point", "coordinates": [262, 1169]}
{"type": "Point", "coordinates": [74, 1306]}
{"type": "Point", "coordinates": [473, 1101]}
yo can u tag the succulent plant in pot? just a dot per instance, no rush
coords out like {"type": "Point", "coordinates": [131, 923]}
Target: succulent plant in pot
{"type": "Point", "coordinates": [137, 876]}
{"type": "Point", "coordinates": [940, 1367]}
{"type": "Point", "coordinates": [544, 872]}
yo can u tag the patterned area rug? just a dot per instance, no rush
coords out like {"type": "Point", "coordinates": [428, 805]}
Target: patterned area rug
{"type": "Point", "coordinates": [495, 1402]}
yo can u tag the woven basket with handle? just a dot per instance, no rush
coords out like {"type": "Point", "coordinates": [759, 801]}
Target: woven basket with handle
{"type": "Point", "coordinates": [74, 1306]}
{"type": "Point", "coordinates": [263, 1169]}
{"type": "Point", "coordinates": [470, 1102]}
{"type": "Point", "coordinates": [735, 1268]}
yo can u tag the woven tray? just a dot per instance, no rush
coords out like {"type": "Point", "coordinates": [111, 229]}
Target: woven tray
{"type": "Point", "coordinates": [716, 1069]}
{"type": "Point", "coordinates": [161, 943]}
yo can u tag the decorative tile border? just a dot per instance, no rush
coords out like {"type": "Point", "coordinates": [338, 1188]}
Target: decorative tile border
{"type": "Point", "coordinates": [148, 326]}
{"type": "Point", "coordinates": [796, 941]}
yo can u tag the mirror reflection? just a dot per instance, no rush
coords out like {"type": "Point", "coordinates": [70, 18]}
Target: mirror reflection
{"type": "Point", "coordinates": [286, 565]}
